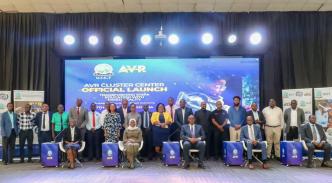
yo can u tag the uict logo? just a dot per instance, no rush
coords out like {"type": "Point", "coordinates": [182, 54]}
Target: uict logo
{"type": "Point", "coordinates": [103, 71]}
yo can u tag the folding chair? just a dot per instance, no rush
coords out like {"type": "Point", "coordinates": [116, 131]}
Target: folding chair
{"type": "Point", "coordinates": [314, 157]}
{"type": "Point", "coordinates": [123, 159]}
{"type": "Point", "coordinates": [253, 153]}
{"type": "Point", "coordinates": [80, 150]}
{"type": "Point", "coordinates": [192, 152]}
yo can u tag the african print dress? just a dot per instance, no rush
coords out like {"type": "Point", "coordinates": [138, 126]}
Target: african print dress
{"type": "Point", "coordinates": [112, 126]}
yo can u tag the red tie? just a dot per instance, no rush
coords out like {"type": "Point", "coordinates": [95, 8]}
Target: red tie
{"type": "Point", "coordinates": [78, 111]}
{"type": "Point", "coordinates": [93, 120]}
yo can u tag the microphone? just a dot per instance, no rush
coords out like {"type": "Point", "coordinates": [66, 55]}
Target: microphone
{"type": "Point", "coordinates": [177, 129]}
{"type": "Point", "coordinates": [60, 134]}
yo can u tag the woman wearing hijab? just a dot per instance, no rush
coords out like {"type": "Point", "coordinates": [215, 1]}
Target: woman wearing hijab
{"type": "Point", "coordinates": [132, 138]}
{"type": "Point", "coordinates": [112, 125]}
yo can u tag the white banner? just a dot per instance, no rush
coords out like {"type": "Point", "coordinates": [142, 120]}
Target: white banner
{"type": "Point", "coordinates": [5, 97]}
{"type": "Point", "coordinates": [34, 98]}
{"type": "Point", "coordinates": [303, 98]}
{"type": "Point", "coordinates": [323, 105]}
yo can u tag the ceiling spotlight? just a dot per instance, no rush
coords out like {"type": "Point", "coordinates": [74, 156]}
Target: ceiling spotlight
{"type": "Point", "coordinates": [255, 38]}
{"type": "Point", "coordinates": [146, 39]}
{"type": "Point", "coordinates": [173, 39]}
{"type": "Point", "coordinates": [207, 38]}
{"type": "Point", "coordinates": [117, 40]}
{"type": "Point", "coordinates": [69, 39]}
{"type": "Point", "coordinates": [232, 39]}
{"type": "Point", "coordinates": [93, 40]}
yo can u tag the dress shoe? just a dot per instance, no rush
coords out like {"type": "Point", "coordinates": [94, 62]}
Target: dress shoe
{"type": "Point", "coordinates": [265, 166]}
{"type": "Point", "coordinates": [4, 163]}
{"type": "Point", "coordinates": [251, 166]}
{"type": "Point", "coordinates": [22, 161]}
{"type": "Point", "coordinates": [201, 165]}
{"type": "Point", "coordinates": [326, 164]}
{"type": "Point", "coordinates": [29, 160]}
{"type": "Point", "coordinates": [185, 165]}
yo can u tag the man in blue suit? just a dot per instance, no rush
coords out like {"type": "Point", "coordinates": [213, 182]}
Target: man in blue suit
{"type": "Point", "coordinates": [43, 122]}
{"type": "Point", "coordinates": [9, 131]}
{"type": "Point", "coordinates": [193, 137]}
{"type": "Point", "coordinates": [180, 118]}
{"type": "Point", "coordinates": [251, 135]}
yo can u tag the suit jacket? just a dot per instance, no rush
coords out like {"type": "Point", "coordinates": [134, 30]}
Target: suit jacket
{"type": "Point", "coordinates": [119, 110]}
{"type": "Point", "coordinates": [245, 133]}
{"type": "Point", "coordinates": [204, 118]}
{"type": "Point", "coordinates": [67, 135]}
{"type": "Point", "coordinates": [39, 120]}
{"type": "Point", "coordinates": [142, 117]}
{"type": "Point", "coordinates": [81, 119]}
{"type": "Point", "coordinates": [186, 133]}
{"type": "Point", "coordinates": [260, 115]}
{"type": "Point", "coordinates": [6, 124]}
{"type": "Point", "coordinates": [287, 118]}
{"type": "Point", "coordinates": [306, 133]}
{"type": "Point", "coordinates": [178, 115]}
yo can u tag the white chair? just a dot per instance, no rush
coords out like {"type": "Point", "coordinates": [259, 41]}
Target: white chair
{"type": "Point", "coordinates": [191, 151]}
{"type": "Point", "coordinates": [123, 154]}
{"type": "Point", "coordinates": [253, 152]}
{"type": "Point", "coordinates": [62, 149]}
{"type": "Point", "coordinates": [314, 157]}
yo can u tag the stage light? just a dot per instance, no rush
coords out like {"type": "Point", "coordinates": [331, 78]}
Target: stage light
{"type": "Point", "coordinates": [69, 39]}
{"type": "Point", "coordinates": [173, 39]}
{"type": "Point", "coordinates": [207, 38]}
{"type": "Point", "coordinates": [146, 39]}
{"type": "Point", "coordinates": [117, 40]}
{"type": "Point", "coordinates": [93, 40]}
{"type": "Point", "coordinates": [255, 38]}
{"type": "Point", "coordinates": [232, 39]}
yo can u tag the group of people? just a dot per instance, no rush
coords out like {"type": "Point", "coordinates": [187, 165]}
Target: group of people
{"type": "Point", "coordinates": [204, 130]}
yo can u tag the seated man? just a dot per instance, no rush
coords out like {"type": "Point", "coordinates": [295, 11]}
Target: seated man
{"type": "Point", "coordinates": [315, 138]}
{"type": "Point", "coordinates": [72, 139]}
{"type": "Point", "coordinates": [192, 136]}
{"type": "Point", "coordinates": [251, 135]}
{"type": "Point", "coordinates": [132, 138]}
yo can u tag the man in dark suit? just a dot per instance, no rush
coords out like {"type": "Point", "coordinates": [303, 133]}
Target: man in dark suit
{"type": "Point", "coordinates": [181, 117]}
{"type": "Point", "coordinates": [193, 137]}
{"type": "Point", "coordinates": [258, 117]}
{"type": "Point", "coordinates": [293, 118]}
{"type": "Point", "coordinates": [9, 131]}
{"type": "Point", "coordinates": [251, 135]}
{"type": "Point", "coordinates": [203, 118]}
{"type": "Point", "coordinates": [43, 122]}
{"type": "Point", "coordinates": [147, 132]}
{"type": "Point", "coordinates": [123, 110]}
{"type": "Point", "coordinates": [315, 138]}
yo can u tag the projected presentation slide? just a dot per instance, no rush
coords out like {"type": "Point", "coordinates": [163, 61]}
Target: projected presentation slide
{"type": "Point", "coordinates": [150, 81]}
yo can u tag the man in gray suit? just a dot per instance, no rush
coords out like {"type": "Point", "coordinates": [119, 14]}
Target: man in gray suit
{"type": "Point", "coordinates": [80, 115]}
{"type": "Point", "coordinates": [294, 118]}
{"type": "Point", "coordinates": [9, 131]}
{"type": "Point", "coordinates": [193, 136]}
{"type": "Point", "coordinates": [315, 138]}
{"type": "Point", "coordinates": [251, 135]}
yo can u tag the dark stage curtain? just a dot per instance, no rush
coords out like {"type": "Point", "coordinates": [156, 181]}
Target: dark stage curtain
{"type": "Point", "coordinates": [296, 52]}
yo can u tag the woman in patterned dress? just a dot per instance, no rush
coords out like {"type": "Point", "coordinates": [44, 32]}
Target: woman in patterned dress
{"type": "Point", "coordinates": [112, 125]}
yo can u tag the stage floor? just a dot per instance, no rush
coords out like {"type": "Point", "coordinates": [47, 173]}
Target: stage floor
{"type": "Point", "coordinates": [155, 172]}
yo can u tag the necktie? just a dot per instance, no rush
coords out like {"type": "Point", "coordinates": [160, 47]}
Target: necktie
{"type": "Point", "coordinates": [183, 114]}
{"type": "Point", "coordinates": [93, 120]}
{"type": "Point", "coordinates": [146, 120]}
{"type": "Point", "coordinates": [314, 133]}
{"type": "Point", "coordinates": [251, 135]}
{"type": "Point", "coordinates": [61, 122]}
{"type": "Point", "coordinates": [172, 113]}
{"type": "Point", "coordinates": [192, 131]}
{"type": "Point", "coordinates": [78, 111]}
{"type": "Point", "coordinates": [44, 120]}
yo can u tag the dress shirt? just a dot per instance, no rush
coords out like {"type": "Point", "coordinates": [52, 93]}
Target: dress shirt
{"type": "Point", "coordinates": [293, 121]}
{"type": "Point", "coordinates": [47, 121]}
{"type": "Point", "coordinates": [273, 116]}
{"type": "Point", "coordinates": [89, 126]}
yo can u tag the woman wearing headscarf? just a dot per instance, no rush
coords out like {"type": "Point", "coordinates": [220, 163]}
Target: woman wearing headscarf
{"type": "Point", "coordinates": [112, 125]}
{"type": "Point", "coordinates": [132, 138]}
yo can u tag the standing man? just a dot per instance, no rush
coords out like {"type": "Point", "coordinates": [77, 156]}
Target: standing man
{"type": "Point", "coordinates": [9, 131]}
{"type": "Point", "coordinates": [171, 107]}
{"type": "Point", "coordinates": [237, 118]}
{"type": "Point", "coordinates": [258, 118]}
{"type": "Point", "coordinates": [181, 118]}
{"type": "Point", "coordinates": [60, 121]}
{"type": "Point", "coordinates": [274, 124]}
{"type": "Point", "coordinates": [43, 122]}
{"type": "Point", "coordinates": [147, 132]}
{"type": "Point", "coordinates": [203, 118]}
{"type": "Point", "coordinates": [193, 136]}
{"type": "Point", "coordinates": [123, 111]}
{"type": "Point", "coordinates": [26, 122]}
{"type": "Point", "coordinates": [80, 115]}
{"type": "Point", "coordinates": [294, 118]}
{"type": "Point", "coordinates": [219, 119]}
{"type": "Point", "coordinates": [94, 133]}
{"type": "Point", "coordinates": [251, 135]}
{"type": "Point", "coordinates": [315, 138]}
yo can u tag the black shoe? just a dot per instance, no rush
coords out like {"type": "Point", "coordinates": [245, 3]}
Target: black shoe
{"type": "Point", "coordinates": [4, 163]}
{"type": "Point", "coordinates": [277, 158]}
{"type": "Point", "coordinates": [325, 164]}
{"type": "Point", "coordinates": [22, 161]}
{"type": "Point", "coordinates": [11, 161]}
{"type": "Point", "coordinates": [29, 160]}
{"type": "Point", "coordinates": [201, 165]}
{"type": "Point", "coordinates": [309, 165]}
{"type": "Point", "coordinates": [185, 165]}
